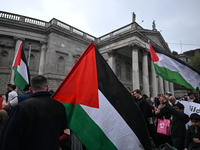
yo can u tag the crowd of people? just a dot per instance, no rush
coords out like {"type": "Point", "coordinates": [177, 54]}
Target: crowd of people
{"type": "Point", "coordinates": [34, 119]}
{"type": "Point", "coordinates": [169, 107]}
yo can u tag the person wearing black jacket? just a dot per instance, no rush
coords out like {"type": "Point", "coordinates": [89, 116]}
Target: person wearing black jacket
{"type": "Point", "coordinates": [192, 98]}
{"type": "Point", "coordinates": [193, 133]}
{"type": "Point", "coordinates": [36, 123]}
{"type": "Point", "coordinates": [178, 122]}
{"type": "Point", "coordinates": [146, 110]}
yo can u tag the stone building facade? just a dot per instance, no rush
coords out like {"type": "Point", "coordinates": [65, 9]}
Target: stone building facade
{"type": "Point", "coordinates": [56, 46]}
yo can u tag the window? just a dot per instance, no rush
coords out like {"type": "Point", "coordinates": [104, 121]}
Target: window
{"type": "Point", "coordinates": [4, 61]}
{"type": "Point", "coordinates": [61, 65]}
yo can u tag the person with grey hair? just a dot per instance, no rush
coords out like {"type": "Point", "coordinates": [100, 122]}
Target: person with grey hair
{"type": "Point", "coordinates": [36, 123]}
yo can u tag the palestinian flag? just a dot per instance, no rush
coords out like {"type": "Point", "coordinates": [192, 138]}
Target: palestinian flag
{"type": "Point", "coordinates": [173, 69]}
{"type": "Point", "coordinates": [100, 110]}
{"type": "Point", "coordinates": [21, 76]}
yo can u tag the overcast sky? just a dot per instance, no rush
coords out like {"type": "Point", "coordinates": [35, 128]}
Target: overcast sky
{"type": "Point", "coordinates": [178, 20]}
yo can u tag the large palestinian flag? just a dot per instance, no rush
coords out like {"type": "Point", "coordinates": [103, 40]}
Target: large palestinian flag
{"type": "Point", "coordinates": [21, 76]}
{"type": "Point", "coordinates": [100, 110]}
{"type": "Point", "coordinates": [173, 69]}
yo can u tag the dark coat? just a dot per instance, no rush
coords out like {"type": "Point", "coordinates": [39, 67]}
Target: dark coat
{"type": "Point", "coordinates": [190, 134]}
{"type": "Point", "coordinates": [178, 122]}
{"type": "Point", "coordinates": [34, 124]}
{"type": "Point", "coordinates": [164, 113]}
{"type": "Point", "coordinates": [146, 108]}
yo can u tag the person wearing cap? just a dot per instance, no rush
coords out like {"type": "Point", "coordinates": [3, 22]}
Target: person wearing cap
{"type": "Point", "coordinates": [17, 99]}
{"type": "Point", "coordinates": [178, 129]}
{"type": "Point", "coordinates": [193, 133]}
{"type": "Point", "coordinates": [169, 94]}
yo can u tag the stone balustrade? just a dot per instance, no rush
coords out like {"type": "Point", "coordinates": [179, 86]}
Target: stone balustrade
{"type": "Point", "coordinates": [10, 16]}
{"type": "Point", "coordinates": [64, 26]}
{"type": "Point", "coordinates": [35, 22]}
{"type": "Point", "coordinates": [115, 33]}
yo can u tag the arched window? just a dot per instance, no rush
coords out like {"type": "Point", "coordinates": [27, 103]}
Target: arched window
{"type": "Point", "coordinates": [4, 61]}
{"type": "Point", "coordinates": [61, 65]}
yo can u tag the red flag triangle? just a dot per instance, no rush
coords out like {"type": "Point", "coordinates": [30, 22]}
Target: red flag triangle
{"type": "Point", "coordinates": [18, 56]}
{"type": "Point", "coordinates": [81, 86]}
{"type": "Point", "coordinates": [154, 56]}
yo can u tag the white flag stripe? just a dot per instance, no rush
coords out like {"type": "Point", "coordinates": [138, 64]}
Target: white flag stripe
{"type": "Point", "coordinates": [188, 74]}
{"type": "Point", "coordinates": [22, 69]}
{"type": "Point", "coordinates": [113, 125]}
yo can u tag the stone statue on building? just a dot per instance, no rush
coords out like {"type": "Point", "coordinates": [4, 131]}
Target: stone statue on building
{"type": "Point", "coordinates": [154, 26]}
{"type": "Point", "coordinates": [133, 17]}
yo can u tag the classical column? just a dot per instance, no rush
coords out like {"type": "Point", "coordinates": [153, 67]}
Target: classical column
{"type": "Point", "coordinates": [135, 67]}
{"type": "Point", "coordinates": [18, 40]}
{"type": "Point", "coordinates": [42, 58]}
{"type": "Point", "coordinates": [145, 73]}
{"type": "Point", "coordinates": [171, 87]}
{"type": "Point", "coordinates": [154, 83]}
{"type": "Point", "coordinates": [166, 87]}
{"type": "Point", "coordinates": [160, 84]}
{"type": "Point", "coordinates": [111, 61]}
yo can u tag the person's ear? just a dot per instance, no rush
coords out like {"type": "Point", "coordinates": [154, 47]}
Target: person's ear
{"type": "Point", "coordinates": [47, 88]}
{"type": "Point", "coordinates": [30, 89]}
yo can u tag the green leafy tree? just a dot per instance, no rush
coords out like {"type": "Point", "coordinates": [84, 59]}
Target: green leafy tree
{"type": "Point", "coordinates": [195, 62]}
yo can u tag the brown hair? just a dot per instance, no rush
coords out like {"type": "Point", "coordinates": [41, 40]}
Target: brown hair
{"type": "Point", "coordinates": [137, 91]}
{"type": "Point", "coordinates": [3, 117]}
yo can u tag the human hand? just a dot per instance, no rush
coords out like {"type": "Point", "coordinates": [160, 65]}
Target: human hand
{"type": "Point", "coordinates": [163, 98]}
{"type": "Point", "coordinates": [157, 112]}
{"type": "Point", "coordinates": [196, 140]}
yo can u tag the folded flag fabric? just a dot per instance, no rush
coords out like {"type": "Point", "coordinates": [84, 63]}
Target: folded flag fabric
{"type": "Point", "coordinates": [100, 110]}
{"type": "Point", "coordinates": [173, 69]}
{"type": "Point", "coordinates": [21, 76]}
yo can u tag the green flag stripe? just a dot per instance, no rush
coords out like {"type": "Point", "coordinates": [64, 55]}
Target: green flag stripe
{"type": "Point", "coordinates": [172, 76]}
{"type": "Point", "coordinates": [88, 131]}
{"type": "Point", "coordinates": [19, 80]}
